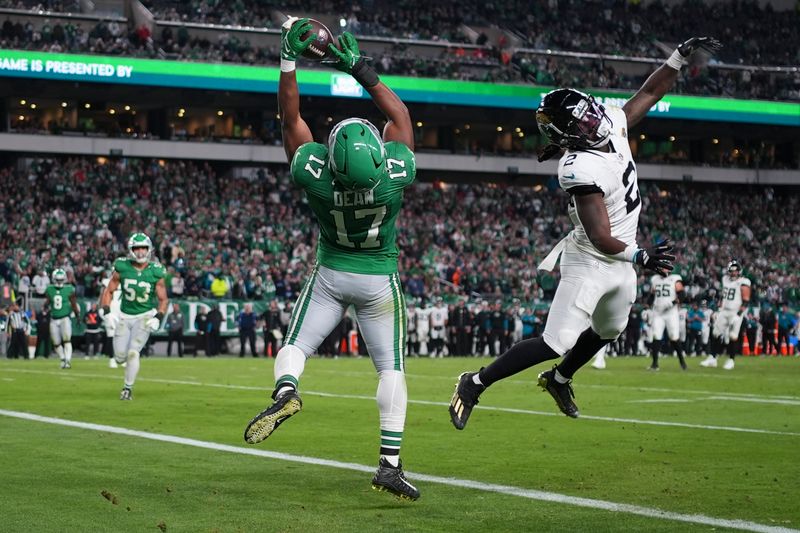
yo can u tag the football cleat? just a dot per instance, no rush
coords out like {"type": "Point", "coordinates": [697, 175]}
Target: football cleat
{"type": "Point", "coordinates": [464, 399]}
{"type": "Point", "coordinates": [273, 416]}
{"type": "Point", "coordinates": [709, 362]}
{"type": "Point", "coordinates": [390, 478]}
{"type": "Point", "coordinates": [728, 364]}
{"type": "Point", "coordinates": [63, 364]}
{"type": "Point", "coordinates": [654, 368]}
{"type": "Point", "coordinates": [112, 363]}
{"type": "Point", "coordinates": [126, 394]}
{"type": "Point", "coordinates": [562, 393]}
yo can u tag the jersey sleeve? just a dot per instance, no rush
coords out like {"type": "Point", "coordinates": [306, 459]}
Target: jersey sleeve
{"type": "Point", "coordinates": [401, 164]}
{"type": "Point", "coordinates": [159, 271]}
{"type": "Point", "coordinates": [577, 177]}
{"type": "Point", "coordinates": [119, 265]}
{"type": "Point", "coordinates": [746, 282]}
{"type": "Point", "coordinates": [308, 163]}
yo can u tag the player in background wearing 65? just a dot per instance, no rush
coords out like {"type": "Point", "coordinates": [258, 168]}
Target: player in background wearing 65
{"type": "Point", "coordinates": [666, 300]}
{"type": "Point", "coordinates": [598, 282]}
{"type": "Point", "coordinates": [354, 185]}
{"type": "Point", "coordinates": [735, 296]}
{"type": "Point", "coordinates": [63, 306]}
{"type": "Point", "coordinates": [144, 303]}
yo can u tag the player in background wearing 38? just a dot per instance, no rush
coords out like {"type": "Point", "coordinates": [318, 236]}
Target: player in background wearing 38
{"type": "Point", "coordinates": [666, 300]}
{"type": "Point", "coordinates": [735, 296]}
{"type": "Point", "coordinates": [354, 185]}
{"type": "Point", "coordinates": [598, 283]}
{"type": "Point", "coordinates": [144, 303]}
{"type": "Point", "coordinates": [63, 306]}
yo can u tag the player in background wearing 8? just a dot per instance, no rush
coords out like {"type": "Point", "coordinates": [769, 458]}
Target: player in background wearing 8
{"type": "Point", "coordinates": [354, 185]}
{"type": "Point", "coordinates": [598, 283]}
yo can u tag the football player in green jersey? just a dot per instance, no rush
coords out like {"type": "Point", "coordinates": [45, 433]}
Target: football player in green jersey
{"type": "Point", "coordinates": [144, 303]}
{"type": "Point", "coordinates": [354, 184]}
{"type": "Point", "coordinates": [63, 306]}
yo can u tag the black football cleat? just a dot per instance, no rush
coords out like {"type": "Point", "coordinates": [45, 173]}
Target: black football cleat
{"type": "Point", "coordinates": [126, 394]}
{"type": "Point", "coordinates": [561, 392]}
{"type": "Point", "coordinates": [464, 399]}
{"type": "Point", "coordinates": [390, 478]}
{"type": "Point", "coordinates": [273, 416]}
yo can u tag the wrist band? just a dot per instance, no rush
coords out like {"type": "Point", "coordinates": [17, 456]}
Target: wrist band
{"type": "Point", "coordinates": [628, 254]}
{"type": "Point", "coordinates": [287, 65]}
{"type": "Point", "coordinates": [365, 74]}
{"type": "Point", "coordinates": [676, 60]}
{"type": "Point", "coordinates": [159, 316]}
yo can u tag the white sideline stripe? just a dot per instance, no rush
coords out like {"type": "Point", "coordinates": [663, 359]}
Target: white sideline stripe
{"type": "Point", "coordinates": [756, 400]}
{"type": "Point", "coordinates": [662, 400]}
{"type": "Point", "coordinates": [530, 494]}
{"type": "Point", "coordinates": [427, 402]}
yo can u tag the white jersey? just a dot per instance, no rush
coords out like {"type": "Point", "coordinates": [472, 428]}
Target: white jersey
{"type": "Point", "coordinates": [412, 320]}
{"type": "Point", "coordinates": [664, 290]}
{"type": "Point", "coordinates": [423, 321]}
{"type": "Point", "coordinates": [732, 292]}
{"type": "Point", "coordinates": [611, 173]}
{"type": "Point", "coordinates": [438, 317]}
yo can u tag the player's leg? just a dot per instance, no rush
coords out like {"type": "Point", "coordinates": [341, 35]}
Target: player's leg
{"type": "Point", "coordinates": [734, 329]}
{"type": "Point", "coordinates": [659, 324]}
{"type": "Point", "coordinates": [317, 312]}
{"type": "Point", "coordinates": [718, 332]}
{"type": "Point", "coordinates": [672, 321]}
{"type": "Point", "coordinates": [380, 311]}
{"type": "Point", "coordinates": [139, 333]}
{"type": "Point", "coordinates": [66, 340]}
{"type": "Point", "coordinates": [55, 336]}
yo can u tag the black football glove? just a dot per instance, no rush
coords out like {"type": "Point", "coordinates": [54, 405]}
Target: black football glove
{"type": "Point", "coordinates": [656, 258]}
{"type": "Point", "coordinates": [690, 46]}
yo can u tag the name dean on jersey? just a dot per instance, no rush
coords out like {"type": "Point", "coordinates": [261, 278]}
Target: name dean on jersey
{"type": "Point", "coordinates": [353, 198]}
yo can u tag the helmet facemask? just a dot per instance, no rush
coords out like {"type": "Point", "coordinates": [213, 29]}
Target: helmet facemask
{"type": "Point", "coordinates": [574, 120]}
{"type": "Point", "coordinates": [140, 248]}
{"type": "Point", "coordinates": [59, 277]}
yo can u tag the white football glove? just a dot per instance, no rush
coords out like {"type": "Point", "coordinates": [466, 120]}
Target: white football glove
{"type": "Point", "coordinates": [110, 320]}
{"type": "Point", "coordinates": [153, 323]}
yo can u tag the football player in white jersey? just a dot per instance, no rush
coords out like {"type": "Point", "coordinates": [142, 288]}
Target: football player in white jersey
{"type": "Point", "coordinates": [735, 297]}
{"type": "Point", "coordinates": [666, 295]}
{"type": "Point", "coordinates": [423, 329]}
{"type": "Point", "coordinates": [598, 283]}
{"type": "Point", "coordinates": [438, 321]}
{"type": "Point", "coordinates": [413, 341]}
{"type": "Point", "coordinates": [705, 333]}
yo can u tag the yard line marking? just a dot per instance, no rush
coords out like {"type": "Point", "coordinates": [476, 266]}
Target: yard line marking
{"type": "Point", "coordinates": [531, 494]}
{"type": "Point", "coordinates": [756, 400]}
{"type": "Point", "coordinates": [428, 402]}
{"type": "Point", "coordinates": [662, 400]}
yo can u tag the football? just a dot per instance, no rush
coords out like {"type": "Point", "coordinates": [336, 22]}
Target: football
{"type": "Point", "coordinates": [318, 50]}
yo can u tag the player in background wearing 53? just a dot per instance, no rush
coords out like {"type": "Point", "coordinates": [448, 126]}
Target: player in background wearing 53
{"type": "Point", "coordinates": [354, 185]}
{"type": "Point", "coordinates": [144, 303]}
{"type": "Point", "coordinates": [666, 300]}
{"type": "Point", "coordinates": [63, 306]}
{"type": "Point", "coordinates": [735, 296]}
{"type": "Point", "coordinates": [598, 282]}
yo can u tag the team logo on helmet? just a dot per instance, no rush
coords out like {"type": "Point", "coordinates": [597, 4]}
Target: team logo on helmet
{"type": "Point", "coordinates": [572, 119]}
{"type": "Point", "coordinates": [59, 277]}
{"type": "Point", "coordinates": [734, 268]}
{"type": "Point", "coordinates": [356, 154]}
{"type": "Point", "coordinates": [140, 248]}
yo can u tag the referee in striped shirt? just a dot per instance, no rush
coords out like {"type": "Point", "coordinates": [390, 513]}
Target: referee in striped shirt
{"type": "Point", "coordinates": [17, 326]}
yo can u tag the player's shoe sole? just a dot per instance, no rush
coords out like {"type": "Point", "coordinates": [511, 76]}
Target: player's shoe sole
{"type": "Point", "coordinates": [126, 394]}
{"type": "Point", "coordinates": [465, 397]}
{"type": "Point", "coordinates": [561, 392]}
{"type": "Point", "coordinates": [273, 416]}
{"type": "Point", "coordinates": [391, 479]}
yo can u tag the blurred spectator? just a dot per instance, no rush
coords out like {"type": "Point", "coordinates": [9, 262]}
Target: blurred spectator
{"type": "Point", "coordinates": [175, 330]}
{"type": "Point", "coordinates": [247, 329]}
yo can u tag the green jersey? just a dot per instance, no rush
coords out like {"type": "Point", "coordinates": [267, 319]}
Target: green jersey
{"type": "Point", "coordinates": [59, 298]}
{"type": "Point", "coordinates": [138, 286]}
{"type": "Point", "coordinates": [356, 228]}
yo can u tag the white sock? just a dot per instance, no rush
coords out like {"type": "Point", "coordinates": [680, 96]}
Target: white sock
{"type": "Point", "coordinates": [289, 365]}
{"type": "Point", "coordinates": [559, 378]}
{"type": "Point", "coordinates": [132, 369]}
{"type": "Point", "coordinates": [476, 378]}
{"type": "Point", "coordinates": [392, 398]}
{"type": "Point", "coordinates": [60, 352]}
{"type": "Point", "coordinates": [68, 351]}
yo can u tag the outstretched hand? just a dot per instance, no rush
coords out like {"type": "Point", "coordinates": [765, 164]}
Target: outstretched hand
{"type": "Point", "coordinates": [656, 258]}
{"type": "Point", "coordinates": [347, 54]}
{"type": "Point", "coordinates": [291, 43]}
{"type": "Point", "coordinates": [690, 46]}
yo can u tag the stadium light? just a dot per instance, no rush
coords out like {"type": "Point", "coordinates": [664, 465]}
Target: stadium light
{"type": "Point", "coordinates": [87, 105]}
{"type": "Point", "coordinates": [499, 128]}
{"type": "Point", "coordinates": [342, 23]}
{"type": "Point", "coordinates": [642, 137]}
{"type": "Point", "coordinates": [219, 113]}
{"type": "Point", "coordinates": [419, 124]}
{"type": "Point", "coordinates": [22, 117]}
{"type": "Point", "coordinates": [112, 111]}
{"type": "Point", "coordinates": [127, 108]}
{"type": "Point", "coordinates": [714, 141]}
{"type": "Point", "coordinates": [22, 102]}
{"type": "Point", "coordinates": [518, 129]}
{"type": "Point", "coordinates": [33, 106]}
{"type": "Point", "coordinates": [63, 104]}
{"type": "Point", "coordinates": [672, 138]}
{"type": "Point", "coordinates": [520, 134]}
{"type": "Point", "coordinates": [458, 131]}
{"type": "Point", "coordinates": [466, 126]}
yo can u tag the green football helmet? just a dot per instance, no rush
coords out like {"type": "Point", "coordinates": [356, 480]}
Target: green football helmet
{"type": "Point", "coordinates": [59, 277]}
{"type": "Point", "coordinates": [356, 154]}
{"type": "Point", "coordinates": [140, 248]}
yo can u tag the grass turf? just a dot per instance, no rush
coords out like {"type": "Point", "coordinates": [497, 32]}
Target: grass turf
{"type": "Point", "coordinates": [68, 479]}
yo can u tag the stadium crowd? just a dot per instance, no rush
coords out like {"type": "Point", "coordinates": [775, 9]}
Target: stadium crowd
{"type": "Point", "coordinates": [752, 35]}
{"type": "Point", "coordinates": [253, 237]}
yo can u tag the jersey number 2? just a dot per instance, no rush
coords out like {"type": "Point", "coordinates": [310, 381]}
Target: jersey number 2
{"type": "Point", "coordinates": [631, 203]}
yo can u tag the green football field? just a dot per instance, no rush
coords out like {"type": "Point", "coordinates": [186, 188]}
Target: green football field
{"type": "Point", "coordinates": [702, 450]}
